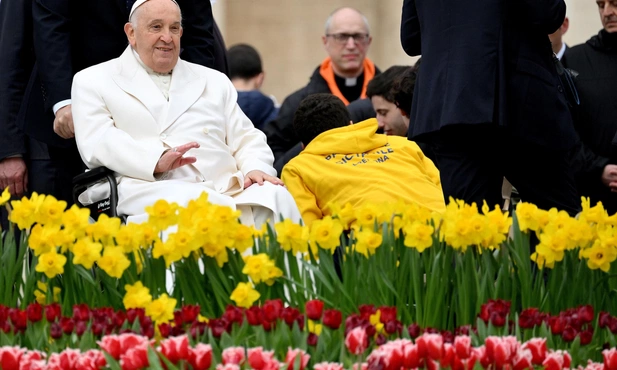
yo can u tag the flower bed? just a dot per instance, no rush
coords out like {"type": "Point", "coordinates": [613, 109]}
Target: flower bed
{"type": "Point", "coordinates": [432, 271]}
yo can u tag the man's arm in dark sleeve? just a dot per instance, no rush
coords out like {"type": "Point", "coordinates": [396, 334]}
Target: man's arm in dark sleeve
{"type": "Point", "coordinates": [52, 45]}
{"type": "Point", "coordinates": [198, 34]}
{"type": "Point", "coordinates": [280, 131]}
{"type": "Point", "coordinates": [410, 29]}
{"type": "Point", "coordinates": [546, 15]}
{"type": "Point", "coordinates": [16, 64]}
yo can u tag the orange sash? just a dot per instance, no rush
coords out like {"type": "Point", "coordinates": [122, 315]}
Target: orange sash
{"type": "Point", "coordinates": [327, 72]}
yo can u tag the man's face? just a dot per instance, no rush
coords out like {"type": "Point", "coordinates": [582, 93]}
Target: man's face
{"type": "Point", "coordinates": [608, 14]}
{"type": "Point", "coordinates": [156, 34]}
{"type": "Point", "coordinates": [346, 42]}
{"type": "Point", "coordinates": [389, 118]}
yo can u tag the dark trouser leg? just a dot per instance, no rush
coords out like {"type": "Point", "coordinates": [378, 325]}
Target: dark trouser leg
{"type": "Point", "coordinates": [542, 176]}
{"type": "Point", "coordinates": [468, 159]}
{"type": "Point", "coordinates": [67, 164]}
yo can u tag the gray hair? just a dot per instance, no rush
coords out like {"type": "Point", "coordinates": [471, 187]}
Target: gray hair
{"type": "Point", "coordinates": [329, 20]}
{"type": "Point", "coordinates": [134, 15]}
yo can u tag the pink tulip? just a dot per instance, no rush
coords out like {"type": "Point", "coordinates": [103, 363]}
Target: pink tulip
{"type": "Point", "coordinates": [430, 346]}
{"type": "Point", "coordinates": [557, 360]}
{"type": "Point", "coordinates": [328, 366]}
{"type": "Point", "coordinates": [135, 358]}
{"type": "Point", "coordinates": [91, 360]}
{"type": "Point", "coordinates": [357, 341]}
{"type": "Point", "coordinates": [65, 360]}
{"type": "Point", "coordinates": [537, 346]}
{"type": "Point", "coordinates": [175, 349]}
{"type": "Point", "coordinates": [522, 360]}
{"type": "Point", "coordinates": [258, 359]}
{"type": "Point", "coordinates": [227, 367]}
{"type": "Point", "coordinates": [462, 345]}
{"type": "Point", "coordinates": [10, 357]}
{"type": "Point", "coordinates": [233, 355]}
{"type": "Point", "coordinates": [610, 359]}
{"type": "Point", "coordinates": [200, 357]}
{"type": "Point", "coordinates": [293, 355]}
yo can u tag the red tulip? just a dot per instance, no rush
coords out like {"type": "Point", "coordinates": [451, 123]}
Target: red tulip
{"type": "Point", "coordinates": [357, 341]}
{"type": "Point", "coordinates": [312, 339]}
{"type": "Point", "coordinates": [528, 318]}
{"type": "Point", "coordinates": [234, 314]}
{"type": "Point", "coordinates": [19, 318]}
{"type": "Point", "coordinates": [190, 313]}
{"type": "Point", "coordinates": [290, 315]}
{"type": "Point", "coordinates": [332, 318]}
{"type": "Point", "coordinates": [314, 309]}
{"type": "Point", "coordinates": [414, 331]}
{"type": "Point", "coordinates": [254, 316]}
{"type": "Point", "coordinates": [175, 349]}
{"type": "Point", "coordinates": [586, 336]}
{"type": "Point", "coordinates": [537, 347]}
{"type": "Point", "coordinates": [34, 311]}
{"type": "Point", "coordinates": [218, 327]}
{"type": "Point", "coordinates": [569, 333]}
{"type": "Point", "coordinates": [586, 313]}
{"type": "Point", "coordinates": [610, 359]}
{"type": "Point", "coordinates": [366, 311]}
{"type": "Point", "coordinates": [134, 313]}
{"type": "Point", "coordinates": [233, 355]}
{"type": "Point", "coordinates": [10, 357]}
{"type": "Point", "coordinates": [294, 355]}
{"type": "Point", "coordinates": [200, 357]}
{"type": "Point", "coordinates": [387, 314]}
{"type": "Point", "coordinates": [272, 309]}
{"type": "Point", "coordinates": [67, 325]}
{"type": "Point", "coordinates": [81, 312]}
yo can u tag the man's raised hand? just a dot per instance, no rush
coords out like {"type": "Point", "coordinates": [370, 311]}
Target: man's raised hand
{"type": "Point", "coordinates": [173, 158]}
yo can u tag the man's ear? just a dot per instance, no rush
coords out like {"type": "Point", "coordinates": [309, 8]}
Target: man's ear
{"type": "Point", "coordinates": [565, 25]}
{"type": "Point", "coordinates": [350, 122]}
{"type": "Point", "coordinates": [130, 33]}
{"type": "Point", "coordinates": [403, 113]}
{"type": "Point", "coordinates": [259, 80]}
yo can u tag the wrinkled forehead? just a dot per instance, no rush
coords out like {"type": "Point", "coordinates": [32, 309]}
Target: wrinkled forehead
{"type": "Point", "coordinates": [139, 3]}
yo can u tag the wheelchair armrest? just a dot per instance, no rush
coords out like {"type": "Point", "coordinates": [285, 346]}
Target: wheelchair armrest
{"type": "Point", "coordinates": [82, 181]}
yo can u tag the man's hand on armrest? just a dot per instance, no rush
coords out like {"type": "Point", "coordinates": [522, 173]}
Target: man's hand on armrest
{"type": "Point", "coordinates": [173, 158]}
{"type": "Point", "coordinates": [259, 177]}
{"type": "Point", "coordinates": [63, 123]}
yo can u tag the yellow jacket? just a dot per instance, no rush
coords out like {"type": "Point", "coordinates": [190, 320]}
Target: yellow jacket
{"type": "Point", "coordinates": [354, 164]}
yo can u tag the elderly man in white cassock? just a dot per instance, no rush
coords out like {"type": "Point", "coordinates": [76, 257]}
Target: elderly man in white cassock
{"type": "Point", "coordinates": [172, 129]}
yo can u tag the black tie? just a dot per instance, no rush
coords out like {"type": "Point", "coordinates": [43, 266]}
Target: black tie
{"type": "Point", "coordinates": [129, 4]}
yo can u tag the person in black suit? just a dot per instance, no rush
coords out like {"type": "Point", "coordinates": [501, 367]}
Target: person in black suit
{"type": "Point", "coordinates": [24, 162]}
{"type": "Point", "coordinates": [70, 35]}
{"type": "Point", "coordinates": [488, 99]}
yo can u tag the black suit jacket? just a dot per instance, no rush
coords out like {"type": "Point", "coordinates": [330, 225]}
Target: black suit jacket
{"type": "Point", "coordinates": [487, 62]}
{"type": "Point", "coordinates": [71, 35]}
{"type": "Point", "coordinates": [15, 66]}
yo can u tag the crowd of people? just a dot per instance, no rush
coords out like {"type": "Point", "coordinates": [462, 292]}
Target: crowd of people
{"type": "Point", "coordinates": [160, 101]}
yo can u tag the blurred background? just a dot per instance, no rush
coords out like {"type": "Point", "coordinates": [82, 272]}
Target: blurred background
{"type": "Point", "coordinates": [287, 33]}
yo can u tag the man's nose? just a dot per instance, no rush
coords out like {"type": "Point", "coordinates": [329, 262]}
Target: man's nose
{"type": "Point", "coordinates": [166, 36]}
{"type": "Point", "coordinates": [350, 43]}
{"type": "Point", "coordinates": [609, 9]}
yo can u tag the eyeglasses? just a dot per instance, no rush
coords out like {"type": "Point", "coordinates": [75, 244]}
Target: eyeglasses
{"type": "Point", "coordinates": [342, 38]}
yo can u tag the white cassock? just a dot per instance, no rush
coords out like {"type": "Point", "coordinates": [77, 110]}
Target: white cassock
{"type": "Point", "coordinates": [123, 121]}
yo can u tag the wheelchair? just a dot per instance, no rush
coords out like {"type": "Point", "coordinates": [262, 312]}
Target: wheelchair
{"type": "Point", "coordinates": [106, 206]}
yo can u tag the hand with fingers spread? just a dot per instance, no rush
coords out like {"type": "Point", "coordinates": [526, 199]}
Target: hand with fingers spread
{"type": "Point", "coordinates": [174, 158]}
{"type": "Point", "coordinates": [14, 175]}
{"type": "Point", "coordinates": [258, 177]}
{"type": "Point", "coordinates": [63, 123]}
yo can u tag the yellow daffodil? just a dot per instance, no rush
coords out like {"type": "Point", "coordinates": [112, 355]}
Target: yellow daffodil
{"type": "Point", "coordinates": [86, 252]}
{"type": "Point", "coordinates": [541, 261]}
{"type": "Point", "coordinates": [43, 239]}
{"type": "Point", "coordinates": [346, 215]}
{"type": "Point", "coordinates": [113, 261]}
{"type": "Point", "coordinates": [375, 320]}
{"type": "Point", "coordinates": [314, 327]}
{"type": "Point", "coordinates": [369, 215]}
{"type": "Point", "coordinates": [104, 229]}
{"type": "Point", "coordinates": [326, 233]}
{"type": "Point", "coordinates": [51, 211]}
{"type": "Point", "coordinates": [244, 238]}
{"type": "Point", "coordinates": [129, 237]}
{"type": "Point", "coordinates": [161, 310]}
{"type": "Point", "coordinates": [75, 220]}
{"type": "Point", "coordinates": [167, 250]}
{"type": "Point", "coordinates": [137, 296]}
{"type": "Point", "coordinates": [162, 214]}
{"type": "Point", "coordinates": [260, 268]}
{"type": "Point", "coordinates": [51, 263]}
{"type": "Point", "coordinates": [292, 237]}
{"type": "Point", "coordinates": [5, 197]}
{"type": "Point", "coordinates": [40, 293]}
{"type": "Point", "coordinates": [418, 235]}
{"type": "Point", "coordinates": [526, 216]}
{"type": "Point", "coordinates": [244, 295]}
{"type": "Point", "coordinates": [368, 241]}
{"type": "Point", "coordinates": [600, 257]}
{"type": "Point", "coordinates": [24, 212]}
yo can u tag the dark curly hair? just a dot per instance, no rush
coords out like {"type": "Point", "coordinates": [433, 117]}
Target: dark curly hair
{"type": "Point", "coordinates": [318, 113]}
{"type": "Point", "coordinates": [381, 84]}
{"type": "Point", "coordinates": [402, 90]}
